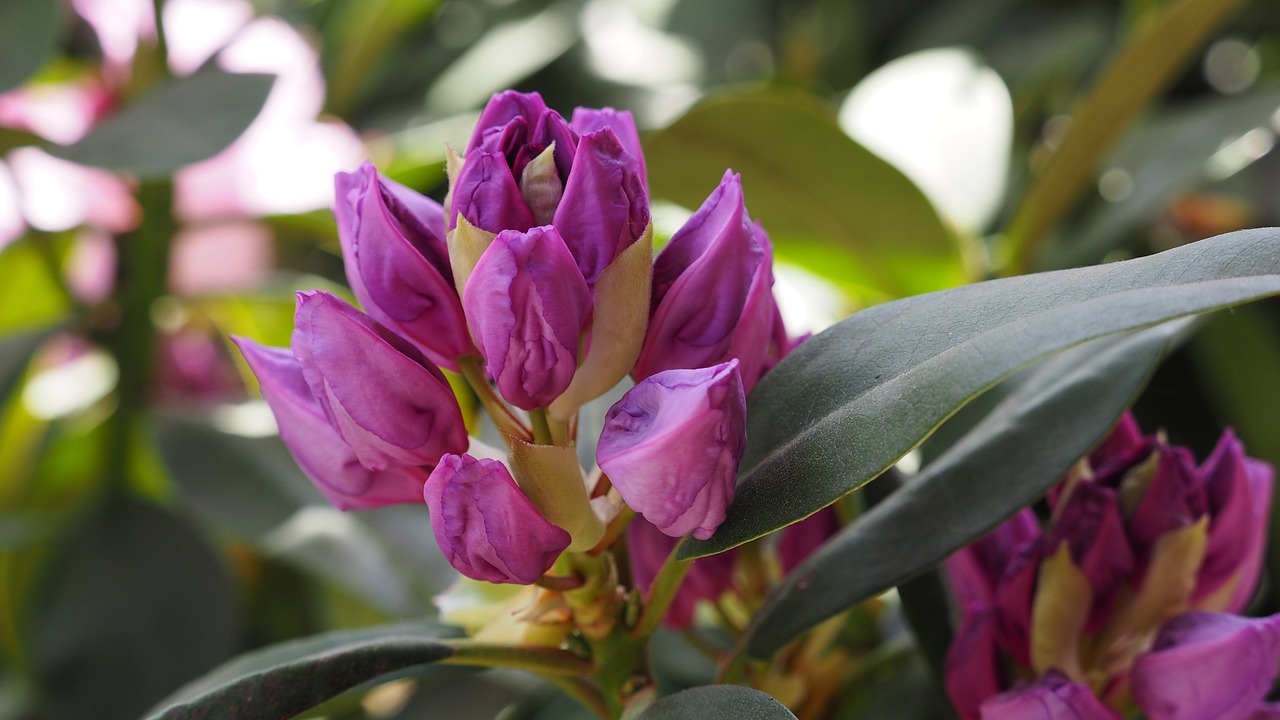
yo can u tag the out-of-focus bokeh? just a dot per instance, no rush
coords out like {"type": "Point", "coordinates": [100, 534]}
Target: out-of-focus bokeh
{"type": "Point", "coordinates": [166, 170]}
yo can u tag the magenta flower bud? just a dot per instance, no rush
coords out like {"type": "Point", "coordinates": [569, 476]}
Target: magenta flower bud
{"type": "Point", "coordinates": [671, 447]}
{"type": "Point", "coordinates": [1092, 525]}
{"type": "Point", "coordinates": [1208, 665]}
{"type": "Point", "coordinates": [500, 111]}
{"type": "Point", "coordinates": [485, 526]}
{"type": "Point", "coordinates": [798, 541]}
{"type": "Point", "coordinates": [589, 120]}
{"type": "Point", "coordinates": [708, 578]}
{"type": "Point", "coordinates": [398, 263]}
{"type": "Point", "coordinates": [488, 195]}
{"type": "Point", "coordinates": [392, 407]}
{"type": "Point", "coordinates": [701, 284]}
{"type": "Point", "coordinates": [760, 325]}
{"type": "Point", "coordinates": [526, 303]}
{"type": "Point", "coordinates": [1000, 571]}
{"type": "Point", "coordinates": [1174, 498]}
{"type": "Point", "coordinates": [972, 668]}
{"type": "Point", "coordinates": [317, 447]}
{"type": "Point", "coordinates": [1238, 492]}
{"type": "Point", "coordinates": [1052, 697]}
{"type": "Point", "coordinates": [605, 206]}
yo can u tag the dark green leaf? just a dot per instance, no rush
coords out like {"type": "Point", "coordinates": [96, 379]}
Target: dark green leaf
{"type": "Point", "coordinates": [29, 34]}
{"type": "Point", "coordinates": [15, 351]}
{"type": "Point", "coordinates": [1009, 460]}
{"type": "Point", "coordinates": [181, 122]}
{"type": "Point", "coordinates": [716, 702]}
{"type": "Point", "coordinates": [850, 402]}
{"type": "Point", "coordinates": [136, 606]}
{"type": "Point", "coordinates": [812, 187]}
{"type": "Point", "coordinates": [286, 679]}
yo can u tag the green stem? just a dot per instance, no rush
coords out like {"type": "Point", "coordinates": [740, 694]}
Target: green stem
{"type": "Point", "coordinates": [547, 661]}
{"type": "Point", "coordinates": [584, 692]}
{"type": "Point", "coordinates": [541, 430]}
{"type": "Point", "coordinates": [502, 416]}
{"type": "Point", "coordinates": [662, 592]}
{"type": "Point", "coordinates": [162, 38]}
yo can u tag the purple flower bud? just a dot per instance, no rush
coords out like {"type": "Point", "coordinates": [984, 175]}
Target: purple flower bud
{"type": "Point", "coordinates": [398, 264]}
{"type": "Point", "coordinates": [798, 541]}
{"type": "Point", "coordinates": [1238, 490]}
{"type": "Point", "coordinates": [589, 120]}
{"type": "Point", "coordinates": [708, 578]}
{"type": "Point", "coordinates": [972, 668]}
{"type": "Point", "coordinates": [1208, 665]}
{"type": "Point", "coordinates": [1000, 571]}
{"type": "Point", "coordinates": [1090, 522]}
{"type": "Point", "coordinates": [1173, 497]}
{"type": "Point", "coordinates": [318, 448]}
{"type": "Point", "coordinates": [526, 303]}
{"type": "Point", "coordinates": [391, 406]}
{"type": "Point", "coordinates": [671, 447]}
{"type": "Point", "coordinates": [503, 108]}
{"type": "Point", "coordinates": [488, 195]}
{"type": "Point", "coordinates": [701, 283]}
{"type": "Point", "coordinates": [1052, 697]}
{"type": "Point", "coordinates": [760, 325]}
{"type": "Point", "coordinates": [485, 526]}
{"type": "Point", "coordinates": [605, 206]}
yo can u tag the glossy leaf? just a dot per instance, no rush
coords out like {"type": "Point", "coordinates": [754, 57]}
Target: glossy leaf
{"type": "Point", "coordinates": [29, 33]}
{"type": "Point", "coordinates": [717, 702]}
{"type": "Point", "coordinates": [1066, 406]}
{"type": "Point", "coordinates": [818, 193]}
{"type": "Point", "coordinates": [178, 123]}
{"type": "Point", "coordinates": [1159, 47]}
{"type": "Point", "coordinates": [136, 605]}
{"type": "Point", "coordinates": [286, 679]}
{"type": "Point", "coordinates": [848, 403]}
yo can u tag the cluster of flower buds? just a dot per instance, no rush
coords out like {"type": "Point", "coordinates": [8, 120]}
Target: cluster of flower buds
{"type": "Point", "coordinates": [1128, 596]}
{"type": "Point", "coordinates": [536, 281]}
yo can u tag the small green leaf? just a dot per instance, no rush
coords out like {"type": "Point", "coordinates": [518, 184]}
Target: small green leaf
{"type": "Point", "coordinates": [810, 185]}
{"type": "Point", "coordinates": [1027, 443]}
{"type": "Point", "coordinates": [29, 34]}
{"type": "Point", "coordinates": [136, 605]}
{"type": "Point", "coordinates": [286, 679]}
{"type": "Point", "coordinates": [180, 122]}
{"type": "Point", "coordinates": [717, 702]}
{"type": "Point", "coordinates": [850, 402]}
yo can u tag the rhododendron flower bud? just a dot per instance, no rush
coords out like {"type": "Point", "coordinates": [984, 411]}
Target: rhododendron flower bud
{"type": "Point", "coordinates": [390, 405]}
{"type": "Point", "coordinates": [1238, 490]}
{"type": "Point", "coordinates": [702, 284]}
{"type": "Point", "coordinates": [1052, 697]}
{"type": "Point", "coordinates": [623, 125]}
{"type": "Point", "coordinates": [397, 262]}
{"type": "Point", "coordinates": [485, 526]}
{"type": "Point", "coordinates": [526, 303]}
{"type": "Point", "coordinates": [1208, 665]}
{"type": "Point", "coordinates": [318, 448]}
{"type": "Point", "coordinates": [707, 579]}
{"type": "Point", "coordinates": [671, 447]}
{"type": "Point", "coordinates": [1091, 524]}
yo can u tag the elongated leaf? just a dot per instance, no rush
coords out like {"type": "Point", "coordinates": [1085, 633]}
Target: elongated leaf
{"type": "Point", "coordinates": [180, 122]}
{"type": "Point", "coordinates": [850, 402]}
{"type": "Point", "coordinates": [1009, 460]}
{"type": "Point", "coordinates": [29, 33]}
{"type": "Point", "coordinates": [817, 192]}
{"type": "Point", "coordinates": [286, 679]}
{"type": "Point", "coordinates": [136, 605]}
{"type": "Point", "coordinates": [1160, 45]}
{"type": "Point", "coordinates": [717, 702]}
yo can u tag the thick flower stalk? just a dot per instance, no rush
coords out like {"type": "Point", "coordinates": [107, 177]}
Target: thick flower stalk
{"type": "Point", "coordinates": [1122, 598]}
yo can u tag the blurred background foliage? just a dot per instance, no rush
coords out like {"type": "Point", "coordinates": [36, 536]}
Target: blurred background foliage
{"type": "Point", "coordinates": [151, 524]}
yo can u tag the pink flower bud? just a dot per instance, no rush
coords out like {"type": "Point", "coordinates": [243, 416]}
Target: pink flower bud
{"type": "Point", "coordinates": [398, 264]}
{"type": "Point", "coordinates": [392, 407]}
{"type": "Point", "coordinates": [485, 526]}
{"type": "Point", "coordinates": [1208, 665]}
{"type": "Point", "coordinates": [526, 303]}
{"type": "Point", "coordinates": [1052, 697]}
{"type": "Point", "coordinates": [671, 447]}
{"type": "Point", "coordinates": [708, 578]}
{"type": "Point", "coordinates": [317, 447]}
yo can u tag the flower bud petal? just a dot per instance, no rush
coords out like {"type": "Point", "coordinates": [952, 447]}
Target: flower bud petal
{"type": "Point", "coordinates": [1208, 665]}
{"type": "Point", "coordinates": [671, 447]}
{"type": "Point", "coordinates": [318, 448]}
{"type": "Point", "coordinates": [701, 282]}
{"type": "Point", "coordinates": [487, 195]}
{"type": "Point", "coordinates": [799, 540]}
{"type": "Point", "coordinates": [526, 304]}
{"type": "Point", "coordinates": [389, 404]}
{"type": "Point", "coordinates": [759, 323]}
{"type": "Point", "coordinates": [485, 526]}
{"type": "Point", "coordinates": [551, 478]}
{"type": "Point", "coordinates": [398, 263]}
{"type": "Point", "coordinates": [605, 207]}
{"type": "Point", "coordinates": [1090, 522]}
{"type": "Point", "coordinates": [1052, 697]}
{"type": "Point", "coordinates": [707, 579]}
{"type": "Point", "coordinates": [589, 120]}
{"type": "Point", "coordinates": [972, 668]}
{"type": "Point", "coordinates": [1238, 491]}
{"type": "Point", "coordinates": [1173, 498]}
{"type": "Point", "coordinates": [1062, 600]}
{"type": "Point", "coordinates": [466, 244]}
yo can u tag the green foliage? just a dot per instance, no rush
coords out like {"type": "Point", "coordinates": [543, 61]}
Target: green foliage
{"type": "Point", "coordinates": [717, 702]}
{"type": "Point", "coordinates": [29, 35]}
